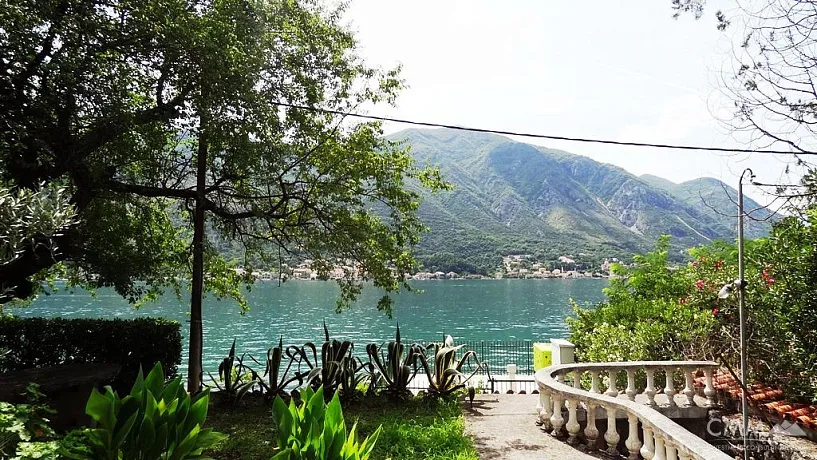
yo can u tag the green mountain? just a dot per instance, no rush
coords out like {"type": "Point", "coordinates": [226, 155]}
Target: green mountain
{"type": "Point", "coordinates": [719, 201]}
{"type": "Point", "coordinates": [516, 198]}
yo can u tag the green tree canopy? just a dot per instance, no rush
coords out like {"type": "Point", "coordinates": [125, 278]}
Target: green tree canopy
{"type": "Point", "coordinates": [106, 98]}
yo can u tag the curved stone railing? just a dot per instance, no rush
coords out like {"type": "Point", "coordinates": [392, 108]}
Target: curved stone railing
{"type": "Point", "coordinates": [663, 439]}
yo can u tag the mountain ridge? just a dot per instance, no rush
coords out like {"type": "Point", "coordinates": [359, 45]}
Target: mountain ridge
{"type": "Point", "coordinates": [514, 198]}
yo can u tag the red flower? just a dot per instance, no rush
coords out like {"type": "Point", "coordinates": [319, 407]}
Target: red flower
{"type": "Point", "coordinates": [699, 285]}
{"type": "Point", "coordinates": [767, 277]}
{"type": "Point", "coordinates": [715, 312]}
{"type": "Point", "coordinates": [682, 300]}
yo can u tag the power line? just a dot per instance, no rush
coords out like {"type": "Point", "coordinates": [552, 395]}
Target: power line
{"type": "Point", "coordinates": [536, 136]}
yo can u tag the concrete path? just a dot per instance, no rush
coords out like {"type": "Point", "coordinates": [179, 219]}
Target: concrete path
{"type": "Point", "coordinates": [504, 428]}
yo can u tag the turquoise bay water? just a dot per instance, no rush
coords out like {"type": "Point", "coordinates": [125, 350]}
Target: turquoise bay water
{"type": "Point", "coordinates": [466, 309]}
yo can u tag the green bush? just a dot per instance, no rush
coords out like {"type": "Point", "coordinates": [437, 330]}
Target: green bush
{"type": "Point", "coordinates": [155, 421]}
{"type": "Point", "coordinates": [313, 430]}
{"type": "Point", "coordinates": [647, 315]}
{"type": "Point", "coordinates": [658, 312]}
{"type": "Point", "coordinates": [133, 344]}
{"type": "Point", "coordinates": [24, 427]}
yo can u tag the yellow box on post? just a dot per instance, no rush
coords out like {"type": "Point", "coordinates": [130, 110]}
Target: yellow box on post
{"type": "Point", "coordinates": [542, 356]}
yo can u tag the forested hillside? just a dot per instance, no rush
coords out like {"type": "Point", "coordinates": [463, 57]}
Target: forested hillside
{"type": "Point", "coordinates": [516, 198]}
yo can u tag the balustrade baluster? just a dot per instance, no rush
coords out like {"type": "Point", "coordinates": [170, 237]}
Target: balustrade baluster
{"type": "Point", "coordinates": [547, 409]}
{"type": "Point", "coordinates": [590, 431]}
{"type": "Point", "coordinates": [573, 427]}
{"type": "Point", "coordinates": [558, 409]}
{"type": "Point", "coordinates": [689, 387]}
{"type": "Point", "coordinates": [594, 384]}
{"type": "Point", "coordinates": [683, 454]}
{"type": "Point", "coordinates": [611, 436]}
{"type": "Point", "coordinates": [612, 391]}
{"type": "Point", "coordinates": [669, 388]}
{"type": "Point", "coordinates": [709, 390]}
{"type": "Point", "coordinates": [632, 443]}
{"type": "Point", "coordinates": [648, 449]}
{"type": "Point", "coordinates": [660, 450]}
{"type": "Point", "coordinates": [631, 391]}
{"type": "Point", "coordinates": [556, 420]}
{"type": "Point", "coordinates": [650, 389]}
{"type": "Point", "coordinates": [672, 452]}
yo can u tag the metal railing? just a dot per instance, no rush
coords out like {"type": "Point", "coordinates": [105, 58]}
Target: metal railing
{"type": "Point", "coordinates": [499, 353]}
{"type": "Point", "coordinates": [496, 354]}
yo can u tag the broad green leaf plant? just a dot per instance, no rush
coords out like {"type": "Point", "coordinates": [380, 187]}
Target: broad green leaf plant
{"type": "Point", "coordinates": [314, 430]}
{"type": "Point", "coordinates": [156, 421]}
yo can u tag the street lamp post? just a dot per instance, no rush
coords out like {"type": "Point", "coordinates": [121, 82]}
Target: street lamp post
{"type": "Point", "coordinates": [742, 313]}
{"type": "Point", "coordinates": [740, 284]}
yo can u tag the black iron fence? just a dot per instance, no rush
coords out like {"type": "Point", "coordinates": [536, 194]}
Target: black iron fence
{"type": "Point", "coordinates": [497, 354]}
{"type": "Point", "coordinates": [493, 377]}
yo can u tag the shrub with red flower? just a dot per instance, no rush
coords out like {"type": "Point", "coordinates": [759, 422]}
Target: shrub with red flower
{"type": "Point", "coordinates": [767, 278]}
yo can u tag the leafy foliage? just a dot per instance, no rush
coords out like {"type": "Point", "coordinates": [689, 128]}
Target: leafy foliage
{"type": "Point", "coordinates": [132, 343]}
{"type": "Point", "coordinates": [313, 430]}
{"type": "Point", "coordinates": [415, 428]}
{"type": "Point", "coordinates": [643, 318]}
{"type": "Point", "coordinates": [24, 430]}
{"type": "Point", "coordinates": [121, 120]}
{"type": "Point", "coordinates": [31, 218]}
{"type": "Point", "coordinates": [155, 421]}
{"type": "Point", "coordinates": [655, 312]}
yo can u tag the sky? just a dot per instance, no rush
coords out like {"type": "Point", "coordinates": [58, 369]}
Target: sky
{"type": "Point", "coordinates": [620, 70]}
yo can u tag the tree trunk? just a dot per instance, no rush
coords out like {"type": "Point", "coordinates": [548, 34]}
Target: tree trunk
{"type": "Point", "coordinates": [194, 363]}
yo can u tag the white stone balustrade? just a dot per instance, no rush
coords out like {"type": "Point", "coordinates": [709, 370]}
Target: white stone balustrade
{"type": "Point", "coordinates": [663, 439]}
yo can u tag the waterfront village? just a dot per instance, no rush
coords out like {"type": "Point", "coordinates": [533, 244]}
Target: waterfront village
{"type": "Point", "coordinates": [517, 266]}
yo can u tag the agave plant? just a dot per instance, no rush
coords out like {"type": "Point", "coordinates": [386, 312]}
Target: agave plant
{"type": "Point", "coordinates": [236, 377]}
{"type": "Point", "coordinates": [446, 376]}
{"type": "Point", "coordinates": [277, 381]}
{"type": "Point", "coordinates": [398, 366]}
{"type": "Point", "coordinates": [313, 430]}
{"type": "Point", "coordinates": [329, 371]}
{"type": "Point", "coordinates": [354, 374]}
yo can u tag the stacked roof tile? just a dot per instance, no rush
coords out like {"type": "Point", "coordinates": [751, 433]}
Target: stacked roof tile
{"type": "Point", "coordinates": [766, 399]}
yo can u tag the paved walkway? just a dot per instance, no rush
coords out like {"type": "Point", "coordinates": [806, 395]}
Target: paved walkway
{"type": "Point", "coordinates": [503, 428]}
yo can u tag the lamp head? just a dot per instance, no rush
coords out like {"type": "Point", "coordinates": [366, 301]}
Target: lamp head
{"type": "Point", "coordinates": [725, 291]}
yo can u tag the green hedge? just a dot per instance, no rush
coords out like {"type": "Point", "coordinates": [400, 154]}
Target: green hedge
{"type": "Point", "coordinates": [42, 342]}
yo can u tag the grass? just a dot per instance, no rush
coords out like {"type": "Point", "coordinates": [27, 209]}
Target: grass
{"type": "Point", "coordinates": [421, 428]}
